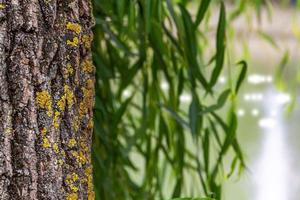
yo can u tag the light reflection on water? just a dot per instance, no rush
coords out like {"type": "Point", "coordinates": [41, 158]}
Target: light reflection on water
{"type": "Point", "coordinates": [253, 97]}
{"type": "Point", "coordinates": [241, 112]}
{"type": "Point", "coordinates": [259, 78]}
{"type": "Point", "coordinates": [255, 112]}
{"type": "Point", "coordinates": [270, 165]}
{"type": "Point", "coordinates": [185, 98]}
{"type": "Point", "coordinates": [264, 135]}
{"type": "Point", "coordinates": [271, 169]}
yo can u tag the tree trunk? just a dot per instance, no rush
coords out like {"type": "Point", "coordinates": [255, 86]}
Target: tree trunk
{"type": "Point", "coordinates": [46, 99]}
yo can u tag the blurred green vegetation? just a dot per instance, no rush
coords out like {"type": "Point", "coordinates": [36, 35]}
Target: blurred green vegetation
{"type": "Point", "coordinates": [148, 142]}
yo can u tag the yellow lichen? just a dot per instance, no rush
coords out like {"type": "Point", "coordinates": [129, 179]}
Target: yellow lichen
{"type": "Point", "coordinates": [74, 42]}
{"type": "Point", "coordinates": [2, 6]}
{"type": "Point", "coordinates": [84, 146]}
{"type": "Point", "coordinates": [70, 181]}
{"type": "Point", "coordinates": [87, 41]}
{"type": "Point", "coordinates": [50, 113]}
{"type": "Point", "coordinates": [56, 119]}
{"type": "Point", "coordinates": [80, 157]}
{"type": "Point", "coordinates": [69, 69]}
{"type": "Point", "coordinates": [60, 162]}
{"type": "Point", "coordinates": [69, 96]}
{"type": "Point", "coordinates": [43, 131]}
{"type": "Point", "coordinates": [90, 84]}
{"type": "Point", "coordinates": [72, 142]}
{"type": "Point", "coordinates": [74, 177]}
{"type": "Point", "coordinates": [87, 93]}
{"type": "Point", "coordinates": [89, 176]}
{"type": "Point", "coordinates": [82, 109]}
{"type": "Point", "coordinates": [72, 196]}
{"type": "Point", "coordinates": [87, 101]}
{"type": "Point", "coordinates": [90, 124]}
{"type": "Point", "coordinates": [8, 131]}
{"type": "Point", "coordinates": [44, 101]}
{"type": "Point", "coordinates": [87, 66]}
{"type": "Point", "coordinates": [76, 123]}
{"type": "Point", "coordinates": [46, 143]}
{"type": "Point", "coordinates": [74, 188]}
{"type": "Point", "coordinates": [74, 27]}
{"type": "Point", "coordinates": [91, 194]}
{"type": "Point", "coordinates": [55, 148]}
{"type": "Point", "coordinates": [63, 153]}
{"type": "Point", "coordinates": [88, 171]}
{"type": "Point", "coordinates": [62, 103]}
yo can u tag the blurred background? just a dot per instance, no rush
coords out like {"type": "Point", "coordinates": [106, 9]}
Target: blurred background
{"type": "Point", "coordinates": [268, 105]}
{"type": "Point", "coordinates": [197, 99]}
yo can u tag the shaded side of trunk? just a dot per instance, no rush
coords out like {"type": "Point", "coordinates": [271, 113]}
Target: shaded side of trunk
{"type": "Point", "coordinates": [46, 99]}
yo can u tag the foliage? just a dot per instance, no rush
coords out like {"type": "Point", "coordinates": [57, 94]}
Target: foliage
{"type": "Point", "coordinates": [150, 57]}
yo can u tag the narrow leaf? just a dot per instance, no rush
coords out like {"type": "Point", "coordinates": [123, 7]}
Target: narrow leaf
{"type": "Point", "coordinates": [221, 101]}
{"type": "Point", "coordinates": [220, 46]}
{"type": "Point", "coordinates": [241, 76]}
{"type": "Point", "coordinates": [201, 12]}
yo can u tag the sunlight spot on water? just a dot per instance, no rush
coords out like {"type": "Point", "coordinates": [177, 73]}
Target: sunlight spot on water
{"type": "Point", "coordinates": [185, 98]}
{"type": "Point", "coordinates": [257, 97]}
{"type": "Point", "coordinates": [253, 97]}
{"type": "Point", "coordinates": [247, 97]}
{"type": "Point", "coordinates": [255, 112]}
{"type": "Point", "coordinates": [164, 85]}
{"type": "Point", "coordinates": [272, 166]}
{"type": "Point", "coordinates": [266, 123]}
{"type": "Point", "coordinates": [269, 79]}
{"type": "Point", "coordinates": [126, 93]}
{"type": "Point", "coordinates": [256, 79]}
{"type": "Point", "coordinates": [222, 80]}
{"type": "Point", "coordinates": [283, 98]}
{"type": "Point", "coordinates": [259, 78]}
{"type": "Point", "coordinates": [241, 112]}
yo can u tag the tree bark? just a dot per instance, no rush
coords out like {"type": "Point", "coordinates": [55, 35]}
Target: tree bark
{"type": "Point", "coordinates": [46, 99]}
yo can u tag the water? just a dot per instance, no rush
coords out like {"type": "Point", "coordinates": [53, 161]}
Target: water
{"type": "Point", "coordinates": [267, 136]}
{"type": "Point", "coordinates": [272, 164]}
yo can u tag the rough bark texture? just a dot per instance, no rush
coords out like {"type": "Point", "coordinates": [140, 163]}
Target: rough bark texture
{"type": "Point", "coordinates": [46, 99]}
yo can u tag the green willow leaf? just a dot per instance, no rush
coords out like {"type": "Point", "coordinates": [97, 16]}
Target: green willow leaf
{"type": "Point", "coordinates": [241, 76]}
{"type": "Point", "coordinates": [239, 10]}
{"type": "Point", "coordinates": [176, 117]}
{"type": "Point", "coordinates": [173, 14]}
{"type": "Point", "coordinates": [195, 121]}
{"type": "Point", "coordinates": [152, 79]}
{"type": "Point", "coordinates": [221, 101]}
{"type": "Point", "coordinates": [206, 150]}
{"type": "Point", "coordinates": [220, 46]}
{"type": "Point", "coordinates": [148, 12]}
{"type": "Point", "coordinates": [201, 12]}
{"type": "Point", "coordinates": [232, 167]}
{"type": "Point", "coordinates": [121, 111]}
{"type": "Point", "coordinates": [279, 81]}
{"type": "Point", "coordinates": [177, 188]}
{"type": "Point", "coordinates": [268, 38]}
{"type": "Point", "coordinates": [191, 50]}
